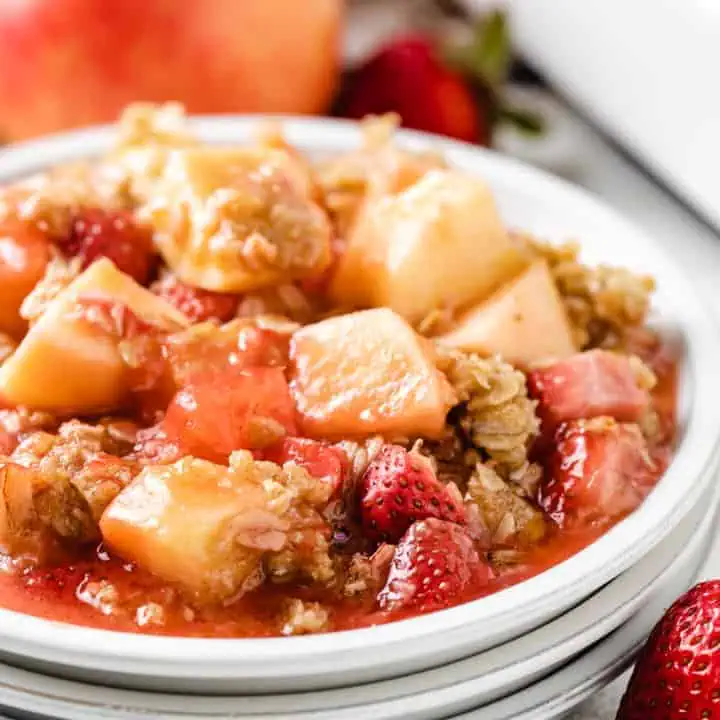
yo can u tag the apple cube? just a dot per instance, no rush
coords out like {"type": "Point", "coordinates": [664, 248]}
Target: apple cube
{"type": "Point", "coordinates": [196, 524]}
{"type": "Point", "coordinates": [66, 365]}
{"type": "Point", "coordinates": [237, 219]}
{"type": "Point", "coordinates": [438, 244]}
{"type": "Point", "coordinates": [524, 322]}
{"type": "Point", "coordinates": [367, 372]}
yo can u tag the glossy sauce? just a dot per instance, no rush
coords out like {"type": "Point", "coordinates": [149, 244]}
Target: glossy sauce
{"type": "Point", "coordinates": [68, 593]}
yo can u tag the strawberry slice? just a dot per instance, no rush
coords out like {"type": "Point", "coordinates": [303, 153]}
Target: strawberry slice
{"type": "Point", "coordinates": [599, 470]}
{"type": "Point", "coordinates": [434, 566]}
{"type": "Point", "coordinates": [587, 385]}
{"type": "Point", "coordinates": [195, 303]}
{"type": "Point", "coordinates": [400, 487]}
{"type": "Point", "coordinates": [677, 674]}
{"type": "Point", "coordinates": [327, 463]}
{"type": "Point", "coordinates": [96, 233]}
{"type": "Point", "coordinates": [407, 77]}
{"type": "Point", "coordinates": [230, 409]}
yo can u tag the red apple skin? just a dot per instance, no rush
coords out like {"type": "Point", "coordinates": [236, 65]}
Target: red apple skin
{"type": "Point", "coordinates": [67, 63]}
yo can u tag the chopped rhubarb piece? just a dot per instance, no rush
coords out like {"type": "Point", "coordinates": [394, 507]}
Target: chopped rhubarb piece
{"type": "Point", "coordinates": [229, 409]}
{"type": "Point", "coordinates": [588, 385]}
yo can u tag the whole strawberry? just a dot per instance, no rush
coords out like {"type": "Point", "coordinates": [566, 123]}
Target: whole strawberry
{"type": "Point", "coordinates": [96, 233]}
{"type": "Point", "coordinates": [400, 487]}
{"type": "Point", "coordinates": [434, 566]}
{"type": "Point", "coordinates": [678, 671]}
{"type": "Point", "coordinates": [408, 77]}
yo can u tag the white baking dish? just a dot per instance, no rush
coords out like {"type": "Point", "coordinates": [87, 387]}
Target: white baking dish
{"type": "Point", "coordinates": [528, 199]}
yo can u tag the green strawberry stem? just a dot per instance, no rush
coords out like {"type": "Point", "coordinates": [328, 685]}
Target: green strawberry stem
{"type": "Point", "coordinates": [486, 61]}
{"type": "Point", "coordinates": [529, 122]}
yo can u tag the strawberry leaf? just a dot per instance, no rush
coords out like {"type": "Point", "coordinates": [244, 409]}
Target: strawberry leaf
{"type": "Point", "coordinates": [488, 56]}
{"type": "Point", "coordinates": [529, 122]}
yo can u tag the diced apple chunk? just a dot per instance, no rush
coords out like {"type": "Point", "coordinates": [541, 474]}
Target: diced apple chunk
{"type": "Point", "coordinates": [196, 524]}
{"type": "Point", "coordinates": [524, 322]}
{"type": "Point", "coordinates": [367, 372]}
{"type": "Point", "coordinates": [66, 365]}
{"type": "Point", "coordinates": [438, 244]}
{"type": "Point", "coordinates": [237, 219]}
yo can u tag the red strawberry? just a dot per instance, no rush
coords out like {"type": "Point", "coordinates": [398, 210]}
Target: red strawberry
{"type": "Point", "coordinates": [587, 385]}
{"type": "Point", "coordinates": [434, 566]}
{"type": "Point", "coordinates": [407, 77]}
{"type": "Point", "coordinates": [324, 462]}
{"type": "Point", "coordinates": [400, 487]}
{"type": "Point", "coordinates": [115, 235]}
{"type": "Point", "coordinates": [678, 671]}
{"type": "Point", "coordinates": [599, 469]}
{"type": "Point", "coordinates": [195, 303]}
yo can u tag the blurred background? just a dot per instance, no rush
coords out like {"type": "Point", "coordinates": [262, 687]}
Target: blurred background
{"type": "Point", "coordinates": [442, 65]}
{"type": "Point", "coordinates": [642, 71]}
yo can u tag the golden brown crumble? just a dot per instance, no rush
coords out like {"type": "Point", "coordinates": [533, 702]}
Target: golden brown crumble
{"type": "Point", "coordinates": [300, 617]}
{"type": "Point", "coordinates": [497, 414]}
{"type": "Point", "coordinates": [378, 167]}
{"type": "Point", "coordinates": [602, 302]}
{"type": "Point", "coordinates": [297, 498]}
{"type": "Point", "coordinates": [509, 517]}
{"type": "Point", "coordinates": [236, 219]}
{"type": "Point", "coordinates": [59, 273]}
{"type": "Point", "coordinates": [287, 301]}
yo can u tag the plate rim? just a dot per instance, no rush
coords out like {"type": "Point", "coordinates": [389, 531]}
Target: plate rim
{"type": "Point", "coordinates": [693, 552]}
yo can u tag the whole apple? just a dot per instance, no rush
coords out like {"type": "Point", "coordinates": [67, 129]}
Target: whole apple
{"type": "Point", "coordinates": [65, 63]}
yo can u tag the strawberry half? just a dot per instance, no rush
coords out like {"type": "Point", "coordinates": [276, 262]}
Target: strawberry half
{"type": "Point", "coordinates": [196, 304]}
{"type": "Point", "coordinates": [99, 233]}
{"type": "Point", "coordinates": [435, 565]}
{"type": "Point", "coordinates": [677, 674]}
{"type": "Point", "coordinates": [400, 487]}
{"type": "Point", "coordinates": [407, 77]}
{"type": "Point", "coordinates": [599, 470]}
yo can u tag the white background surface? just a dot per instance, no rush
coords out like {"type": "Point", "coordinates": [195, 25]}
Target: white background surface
{"type": "Point", "coordinates": [642, 68]}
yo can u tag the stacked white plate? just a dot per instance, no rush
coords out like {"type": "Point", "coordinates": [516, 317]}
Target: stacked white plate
{"type": "Point", "coordinates": [541, 675]}
{"type": "Point", "coordinates": [554, 636]}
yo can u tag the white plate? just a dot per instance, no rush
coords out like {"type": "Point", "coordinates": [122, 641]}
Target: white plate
{"type": "Point", "coordinates": [431, 694]}
{"type": "Point", "coordinates": [557, 695]}
{"type": "Point", "coordinates": [528, 199]}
